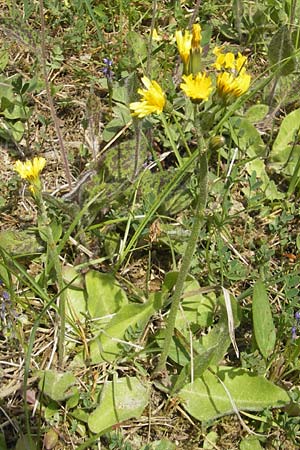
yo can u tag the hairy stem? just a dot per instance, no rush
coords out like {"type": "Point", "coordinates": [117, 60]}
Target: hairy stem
{"type": "Point", "coordinates": [187, 258]}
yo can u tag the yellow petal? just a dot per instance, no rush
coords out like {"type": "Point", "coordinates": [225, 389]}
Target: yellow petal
{"type": "Point", "coordinates": [197, 87]}
{"type": "Point", "coordinates": [153, 99]}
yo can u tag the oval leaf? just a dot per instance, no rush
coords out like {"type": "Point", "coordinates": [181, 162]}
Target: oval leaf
{"type": "Point", "coordinates": [250, 443]}
{"type": "Point", "coordinates": [264, 329]}
{"type": "Point", "coordinates": [58, 386]}
{"type": "Point", "coordinates": [105, 296]}
{"type": "Point", "coordinates": [132, 318]}
{"type": "Point", "coordinates": [280, 156]}
{"type": "Point", "coordinates": [281, 51]}
{"type": "Point", "coordinates": [120, 400]}
{"type": "Point", "coordinates": [249, 393]}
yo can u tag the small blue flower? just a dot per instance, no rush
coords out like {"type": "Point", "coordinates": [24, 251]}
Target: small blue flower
{"type": "Point", "coordinates": [107, 72]}
{"type": "Point", "coordinates": [294, 333]}
{"type": "Point", "coordinates": [297, 316]}
{"type": "Point", "coordinates": [107, 61]}
{"type": "Point", "coordinates": [5, 295]}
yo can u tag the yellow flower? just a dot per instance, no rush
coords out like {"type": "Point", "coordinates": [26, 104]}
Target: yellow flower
{"type": "Point", "coordinates": [153, 99]}
{"type": "Point", "coordinates": [184, 44]}
{"type": "Point", "coordinates": [229, 85]}
{"type": "Point", "coordinates": [196, 36]}
{"type": "Point", "coordinates": [233, 81]}
{"type": "Point", "coordinates": [224, 60]}
{"type": "Point", "coordinates": [30, 170]}
{"type": "Point", "coordinates": [197, 87]}
{"type": "Point", "coordinates": [229, 61]}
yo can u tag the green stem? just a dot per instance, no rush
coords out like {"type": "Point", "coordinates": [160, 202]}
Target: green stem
{"type": "Point", "coordinates": [53, 256]}
{"type": "Point", "coordinates": [187, 258]}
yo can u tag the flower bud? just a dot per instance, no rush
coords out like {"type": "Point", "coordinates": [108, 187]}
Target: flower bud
{"type": "Point", "coordinates": [216, 142]}
{"type": "Point", "coordinates": [196, 50]}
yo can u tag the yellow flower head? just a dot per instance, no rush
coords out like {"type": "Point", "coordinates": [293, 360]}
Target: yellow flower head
{"type": "Point", "coordinates": [196, 37]}
{"type": "Point", "coordinates": [30, 170]}
{"type": "Point", "coordinates": [224, 60]}
{"type": "Point", "coordinates": [184, 44]}
{"type": "Point", "coordinates": [233, 81]}
{"type": "Point", "coordinates": [229, 85]}
{"type": "Point", "coordinates": [153, 99]}
{"type": "Point", "coordinates": [197, 87]}
{"type": "Point", "coordinates": [229, 61]}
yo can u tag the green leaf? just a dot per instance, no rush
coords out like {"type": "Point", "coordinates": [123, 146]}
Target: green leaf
{"type": "Point", "coordinates": [20, 243]}
{"type": "Point", "coordinates": [4, 58]}
{"type": "Point", "coordinates": [121, 400]}
{"type": "Point", "coordinates": [75, 305]}
{"type": "Point", "coordinates": [58, 386]}
{"type": "Point", "coordinates": [298, 242]}
{"type": "Point", "coordinates": [112, 128]}
{"type": "Point", "coordinates": [268, 186]}
{"type": "Point", "coordinates": [288, 128]}
{"type": "Point", "coordinates": [73, 401]}
{"type": "Point", "coordinates": [197, 309]}
{"type": "Point", "coordinates": [248, 139]}
{"type": "Point", "coordinates": [70, 274]}
{"type": "Point", "coordinates": [280, 51]}
{"type": "Point", "coordinates": [57, 229]}
{"type": "Point", "coordinates": [218, 338]}
{"type": "Point", "coordinates": [13, 110]}
{"type": "Point", "coordinates": [280, 157]}
{"type": "Point", "coordinates": [138, 46]}
{"type": "Point", "coordinates": [52, 412]}
{"type": "Point", "coordinates": [164, 444]}
{"type": "Point", "coordinates": [208, 350]}
{"type": "Point", "coordinates": [179, 351]}
{"type": "Point", "coordinates": [105, 296]}
{"type": "Point", "coordinates": [250, 443]}
{"type": "Point", "coordinates": [16, 130]}
{"type": "Point", "coordinates": [246, 136]}
{"type": "Point", "coordinates": [132, 317]}
{"type": "Point", "coordinates": [249, 393]}
{"type": "Point", "coordinates": [210, 441]}
{"type": "Point", "coordinates": [120, 94]}
{"type": "Point", "coordinates": [256, 113]}
{"type": "Point", "coordinates": [264, 329]}
{"type": "Point", "coordinates": [80, 414]}
{"type": "Point", "coordinates": [201, 361]}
